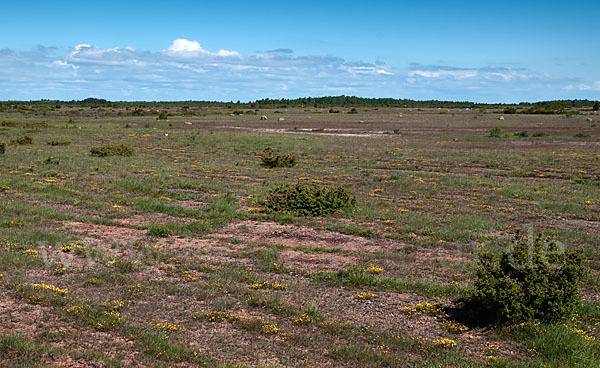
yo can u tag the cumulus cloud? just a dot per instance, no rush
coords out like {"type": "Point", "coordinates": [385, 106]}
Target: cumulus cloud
{"type": "Point", "coordinates": [183, 47]}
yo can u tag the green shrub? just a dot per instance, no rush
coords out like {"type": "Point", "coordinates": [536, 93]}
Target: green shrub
{"type": "Point", "coordinates": [112, 150]}
{"type": "Point", "coordinates": [309, 199]}
{"type": "Point", "coordinates": [271, 158]}
{"type": "Point", "coordinates": [26, 139]}
{"type": "Point", "coordinates": [536, 279]}
{"type": "Point", "coordinates": [581, 135]}
{"type": "Point", "coordinates": [52, 161]}
{"type": "Point", "coordinates": [523, 134]}
{"type": "Point", "coordinates": [539, 134]}
{"type": "Point", "coordinates": [58, 143]}
{"type": "Point", "coordinates": [495, 132]}
{"type": "Point", "coordinates": [2, 148]}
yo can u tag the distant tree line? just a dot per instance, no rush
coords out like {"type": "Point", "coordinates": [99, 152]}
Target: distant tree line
{"type": "Point", "coordinates": [542, 107]}
{"type": "Point", "coordinates": [328, 101]}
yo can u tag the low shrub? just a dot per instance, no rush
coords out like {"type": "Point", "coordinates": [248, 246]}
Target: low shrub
{"type": "Point", "coordinates": [52, 161]}
{"type": "Point", "coordinates": [309, 199]}
{"type": "Point", "coordinates": [271, 158]}
{"type": "Point", "coordinates": [26, 139]}
{"type": "Point", "coordinates": [535, 279]}
{"type": "Point", "coordinates": [112, 150]}
{"type": "Point", "coordinates": [2, 148]}
{"type": "Point", "coordinates": [523, 134]}
{"type": "Point", "coordinates": [495, 132]}
{"type": "Point", "coordinates": [58, 143]}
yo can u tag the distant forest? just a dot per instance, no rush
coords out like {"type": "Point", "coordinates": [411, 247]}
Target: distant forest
{"type": "Point", "coordinates": [329, 101]}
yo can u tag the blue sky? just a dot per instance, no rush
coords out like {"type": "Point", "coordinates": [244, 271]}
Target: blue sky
{"type": "Point", "coordinates": [485, 51]}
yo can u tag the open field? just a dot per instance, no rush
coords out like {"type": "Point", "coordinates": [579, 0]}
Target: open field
{"type": "Point", "coordinates": [168, 257]}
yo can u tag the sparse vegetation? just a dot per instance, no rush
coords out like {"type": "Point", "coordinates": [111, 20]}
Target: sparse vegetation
{"type": "Point", "coordinates": [138, 256]}
{"type": "Point", "coordinates": [112, 150]}
{"type": "Point", "coordinates": [24, 140]}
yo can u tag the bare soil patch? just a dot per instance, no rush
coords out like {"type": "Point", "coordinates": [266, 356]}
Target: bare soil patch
{"type": "Point", "coordinates": [107, 233]}
{"type": "Point", "coordinates": [295, 236]}
{"type": "Point", "coordinates": [153, 218]}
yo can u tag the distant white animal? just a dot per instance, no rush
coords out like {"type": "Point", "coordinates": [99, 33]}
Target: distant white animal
{"type": "Point", "coordinates": [589, 119]}
{"type": "Point", "coordinates": [281, 119]}
{"type": "Point", "coordinates": [264, 117]}
{"type": "Point", "coordinates": [188, 123]}
{"type": "Point", "coordinates": [166, 134]}
{"type": "Point", "coordinates": [501, 118]}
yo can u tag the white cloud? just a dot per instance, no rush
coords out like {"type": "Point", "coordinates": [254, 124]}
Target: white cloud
{"type": "Point", "coordinates": [595, 86]}
{"type": "Point", "coordinates": [365, 70]}
{"type": "Point", "coordinates": [185, 70]}
{"type": "Point", "coordinates": [187, 48]}
{"type": "Point", "coordinates": [63, 63]}
{"type": "Point", "coordinates": [458, 74]}
{"type": "Point", "coordinates": [183, 45]}
{"type": "Point", "coordinates": [483, 73]}
{"type": "Point", "coordinates": [227, 53]}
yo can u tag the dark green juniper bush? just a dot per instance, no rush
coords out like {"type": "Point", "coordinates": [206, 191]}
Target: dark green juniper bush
{"type": "Point", "coordinates": [310, 199]}
{"type": "Point", "coordinates": [535, 279]}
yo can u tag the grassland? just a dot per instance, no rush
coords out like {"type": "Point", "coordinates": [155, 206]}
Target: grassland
{"type": "Point", "coordinates": [168, 257]}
